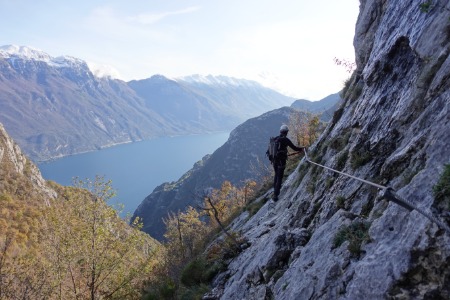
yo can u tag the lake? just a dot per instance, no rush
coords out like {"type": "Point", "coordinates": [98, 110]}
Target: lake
{"type": "Point", "coordinates": [135, 168]}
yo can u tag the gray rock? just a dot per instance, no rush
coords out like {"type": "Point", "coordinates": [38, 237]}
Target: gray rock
{"type": "Point", "coordinates": [397, 120]}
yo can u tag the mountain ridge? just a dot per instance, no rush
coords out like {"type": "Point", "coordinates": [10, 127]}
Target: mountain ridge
{"type": "Point", "coordinates": [55, 107]}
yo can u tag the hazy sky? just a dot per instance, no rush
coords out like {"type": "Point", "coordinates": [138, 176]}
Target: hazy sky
{"type": "Point", "coordinates": [289, 44]}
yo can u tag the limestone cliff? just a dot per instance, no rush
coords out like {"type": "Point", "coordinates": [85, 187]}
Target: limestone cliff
{"type": "Point", "coordinates": [334, 237]}
{"type": "Point", "coordinates": [15, 168]}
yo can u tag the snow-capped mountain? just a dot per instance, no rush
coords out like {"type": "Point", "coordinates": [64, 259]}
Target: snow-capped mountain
{"type": "Point", "coordinates": [246, 97]}
{"type": "Point", "coordinates": [217, 80]}
{"type": "Point", "coordinates": [56, 106]}
{"type": "Point", "coordinates": [14, 52]}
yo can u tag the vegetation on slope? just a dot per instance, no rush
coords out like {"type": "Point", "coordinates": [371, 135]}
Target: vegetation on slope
{"type": "Point", "coordinates": [76, 248]}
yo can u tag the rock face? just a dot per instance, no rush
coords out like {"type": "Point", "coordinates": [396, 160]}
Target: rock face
{"type": "Point", "coordinates": [333, 237]}
{"type": "Point", "coordinates": [14, 163]}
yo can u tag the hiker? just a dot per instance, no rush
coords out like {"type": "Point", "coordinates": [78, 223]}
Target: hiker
{"type": "Point", "coordinates": [279, 161]}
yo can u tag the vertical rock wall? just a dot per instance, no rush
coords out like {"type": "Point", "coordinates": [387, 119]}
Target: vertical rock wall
{"type": "Point", "coordinates": [12, 160]}
{"type": "Point", "coordinates": [392, 129]}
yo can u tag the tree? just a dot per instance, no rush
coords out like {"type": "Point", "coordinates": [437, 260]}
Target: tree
{"type": "Point", "coordinates": [95, 254]}
{"type": "Point", "coordinates": [304, 127]}
{"type": "Point", "coordinates": [184, 233]}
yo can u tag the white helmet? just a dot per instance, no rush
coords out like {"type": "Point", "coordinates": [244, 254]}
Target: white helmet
{"type": "Point", "coordinates": [284, 128]}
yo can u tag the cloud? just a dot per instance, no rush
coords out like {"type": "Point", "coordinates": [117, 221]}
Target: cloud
{"type": "Point", "coordinates": [151, 18]}
{"type": "Point", "coordinates": [111, 25]}
{"type": "Point", "coordinates": [104, 70]}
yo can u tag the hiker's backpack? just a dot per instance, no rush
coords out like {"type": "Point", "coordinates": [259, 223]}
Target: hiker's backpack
{"type": "Point", "coordinates": [273, 148]}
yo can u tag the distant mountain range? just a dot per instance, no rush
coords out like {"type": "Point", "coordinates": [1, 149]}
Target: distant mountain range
{"type": "Point", "coordinates": [56, 106]}
{"type": "Point", "coordinates": [324, 107]}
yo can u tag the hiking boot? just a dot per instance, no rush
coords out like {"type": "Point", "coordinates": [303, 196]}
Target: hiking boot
{"type": "Point", "coordinates": [271, 205]}
{"type": "Point", "coordinates": [271, 208]}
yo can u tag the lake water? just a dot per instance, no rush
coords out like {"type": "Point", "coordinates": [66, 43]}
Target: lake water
{"type": "Point", "coordinates": [136, 168]}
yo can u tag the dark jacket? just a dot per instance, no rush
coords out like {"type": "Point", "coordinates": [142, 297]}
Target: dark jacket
{"type": "Point", "coordinates": [285, 142]}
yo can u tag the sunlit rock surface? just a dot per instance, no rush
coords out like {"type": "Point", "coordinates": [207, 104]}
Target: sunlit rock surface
{"type": "Point", "coordinates": [393, 128]}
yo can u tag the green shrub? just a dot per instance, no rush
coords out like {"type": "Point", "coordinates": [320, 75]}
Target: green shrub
{"type": "Point", "coordinates": [254, 207]}
{"type": "Point", "coordinates": [340, 202]}
{"type": "Point", "coordinates": [341, 160]}
{"type": "Point", "coordinates": [360, 158]}
{"type": "Point", "coordinates": [339, 142]}
{"type": "Point", "coordinates": [164, 290]}
{"type": "Point", "coordinates": [355, 92]}
{"type": "Point", "coordinates": [329, 182]}
{"type": "Point", "coordinates": [194, 273]}
{"type": "Point", "coordinates": [356, 233]}
{"type": "Point", "coordinates": [442, 190]}
{"type": "Point", "coordinates": [347, 84]}
{"type": "Point", "coordinates": [337, 114]}
{"type": "Point", "coordinates": [6, 199]}
{"type": "Point", "coordinates": [311, 186]}
{"type": "Point", "coordinates": [194, 293]}
{"type": "Point", "coordinates": [425, 7]}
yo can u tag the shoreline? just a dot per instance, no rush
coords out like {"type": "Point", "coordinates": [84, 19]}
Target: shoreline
{"type": "Point", "coordinates": [108, 146]}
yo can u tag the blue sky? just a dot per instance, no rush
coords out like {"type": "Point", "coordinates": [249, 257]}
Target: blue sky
{"type": "Point", "coordinates": [286, 44]}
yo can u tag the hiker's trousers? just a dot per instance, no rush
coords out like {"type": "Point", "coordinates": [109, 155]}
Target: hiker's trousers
{"type": "Point", "coordinates": [278, 166]}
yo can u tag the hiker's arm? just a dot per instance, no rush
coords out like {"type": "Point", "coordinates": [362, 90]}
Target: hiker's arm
{"type": "Point", "coordinates": [292, 146]}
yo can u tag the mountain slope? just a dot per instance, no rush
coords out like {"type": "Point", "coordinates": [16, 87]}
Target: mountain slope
{"type": "Point", "coordinates": [182, 107]}
{"type": "Point", "coordinates": [333, 237]}
{"type": "Point", "coordinates": [235, 161]}
{"type": "Point", "coordinates": [325, 107]}
{"type": "Point", "coordinates": [239, 97]}
{"type": "Point", "coordinates": [56, 106]}
{"type": "Point", "coordinates": [317, 106]}
{"type": "Point", "coordinates": [54, 238]}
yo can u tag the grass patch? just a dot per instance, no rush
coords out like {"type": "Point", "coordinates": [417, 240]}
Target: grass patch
{"type": "Point", "coordinates": [355, 92]}
{"type": "Point", "coordinates": [341, 160]}
{"type": "Point", "coordinates": [426, 6]}
{"type": "Point", "coordinates": [441, 190]}
{"type": "Point", "coordinates": [329, 182]}
{"type": "Point", "coordinates": [311, 186]}
{"type": "Point", "coordinates": [254, 207]}
{"type": "Point", "coordinates": [340, 202]}
{"type": "Point", "coordinates": [346, 87]}
{"type": "Point", "coordinates": [360, 158]}
{"type": "Point", "coordinates": [338, 143]}
{"type": "Point", "coordinates": [194, 293]}
{"type": "Point", "coordinates": [200, 272]}
{"type": "Point", "coordinates": [367, 208]}
{"type": "Point", "coordinates": [356, 233]}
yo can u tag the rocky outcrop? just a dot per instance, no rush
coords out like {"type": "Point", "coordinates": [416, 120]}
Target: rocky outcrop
{"type": "Point", "coordinates": [333, 237]}
{"type": "Point", "coordinates": [13, 163]}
